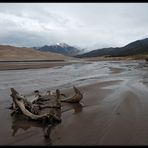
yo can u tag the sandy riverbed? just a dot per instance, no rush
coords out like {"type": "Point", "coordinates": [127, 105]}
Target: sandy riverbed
{"type": "Point", "coordinates": [114, 110]}
{"type": "Point", "coordinates": [30, 65]}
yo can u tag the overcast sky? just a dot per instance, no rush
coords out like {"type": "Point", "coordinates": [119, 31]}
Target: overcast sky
{"type": "Point", "coordinates": [86, 25]}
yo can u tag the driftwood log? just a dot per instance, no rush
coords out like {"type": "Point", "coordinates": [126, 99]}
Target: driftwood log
{"type": "Point", "coordinates": [34, 111]}
{"type": "Point", "coordinates": [43, 107]}
{"type": "Point", "coordinates": [76, 98]}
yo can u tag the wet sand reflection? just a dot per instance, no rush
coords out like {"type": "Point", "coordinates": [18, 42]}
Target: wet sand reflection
{"type": "Point", "coordinates": [21, 122]}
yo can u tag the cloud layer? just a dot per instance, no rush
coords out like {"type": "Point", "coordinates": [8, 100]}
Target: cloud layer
{"type": "Point", "coordinates": [87, 25]}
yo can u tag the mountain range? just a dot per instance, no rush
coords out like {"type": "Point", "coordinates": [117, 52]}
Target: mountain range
{"type": "Point", "coordinates": [61, 48]}
{"type": "Point", "coordinates": [134, 48]}
{"type": "Point", "coordinates": [63, 51]}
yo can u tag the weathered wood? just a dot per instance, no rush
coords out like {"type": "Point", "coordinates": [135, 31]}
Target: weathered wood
{"type": "Point", "coordinates": [76, 98]}
{"type": "Point", "coordinates": [43, 107]}
{"type": "Point", "coordinates": [23, 104]}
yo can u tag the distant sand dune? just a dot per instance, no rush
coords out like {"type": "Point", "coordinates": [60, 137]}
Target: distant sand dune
{"type": "Point", "coordinates": [21, 53]}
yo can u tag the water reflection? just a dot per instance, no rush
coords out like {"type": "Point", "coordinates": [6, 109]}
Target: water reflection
{"type": "Point", "coordinates": [77, 107]}
{"type": "Point", "coordinates": [21, 122]}
{"type": "Point", "coordinates": [18, 123]}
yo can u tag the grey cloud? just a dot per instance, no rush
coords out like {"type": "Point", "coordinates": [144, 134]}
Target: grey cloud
{"type": "Point", "coordinates": [82, 24]}
{"type": "Point", "coordinates": [28, 39]}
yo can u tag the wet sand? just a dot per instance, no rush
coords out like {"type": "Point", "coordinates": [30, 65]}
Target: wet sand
{"type": "Point", "coordinates": [114, 111]}
{"type": "Point", "coordinates": [31, 65]}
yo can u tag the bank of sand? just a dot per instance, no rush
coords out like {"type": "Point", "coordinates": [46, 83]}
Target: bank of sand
{"type": "Point", "coordinates": [108, 117]}
{"type": "Point", "coordinates": [31, 65]}
{"type": "Point", "coordinates": [112, 112]}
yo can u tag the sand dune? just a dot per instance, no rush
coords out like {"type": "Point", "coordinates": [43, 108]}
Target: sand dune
{"type": "Point", "coordinates": [17, 53]}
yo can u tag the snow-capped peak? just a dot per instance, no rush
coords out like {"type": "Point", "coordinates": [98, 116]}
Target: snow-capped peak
{"type": "Point", "coordinates": [62, 44]}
